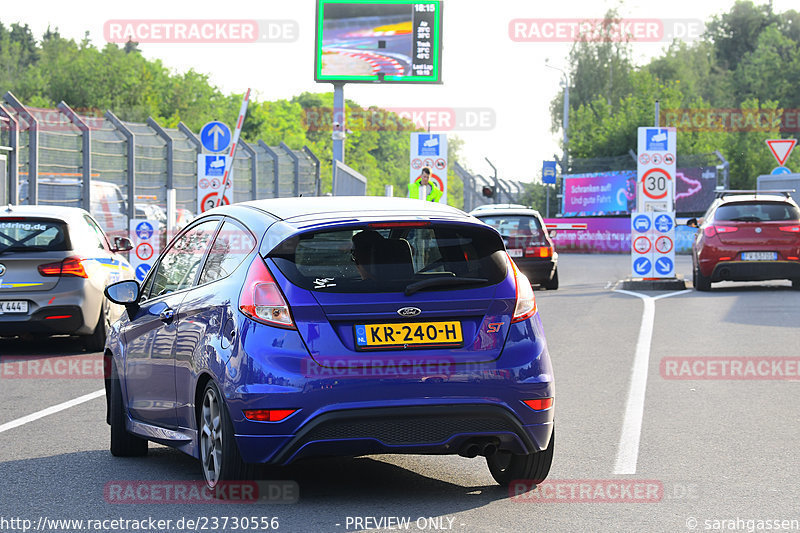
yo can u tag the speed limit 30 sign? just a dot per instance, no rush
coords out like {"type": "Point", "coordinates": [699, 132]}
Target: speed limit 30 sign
{"type": "Point", "coordinates": [656, 183]}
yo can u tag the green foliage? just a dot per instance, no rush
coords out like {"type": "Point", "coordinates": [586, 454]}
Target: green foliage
{"type": "Point", "coordinates": [119, 78]}
{"type": "Point", "coordinates": [748, 60]}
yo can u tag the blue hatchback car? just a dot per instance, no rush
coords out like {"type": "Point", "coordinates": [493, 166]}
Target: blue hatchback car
{"type": "Point", "coordinates": [276, 330]}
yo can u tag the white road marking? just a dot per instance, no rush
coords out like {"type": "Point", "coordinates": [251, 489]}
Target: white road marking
{"type": "Point", "coordinates": [628, 450]}
{"type": "Point", "coordinates": [51, 410]}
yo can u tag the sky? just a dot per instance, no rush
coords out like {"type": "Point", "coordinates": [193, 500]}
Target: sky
{"type": "Point", "coordinates": [502, 84]}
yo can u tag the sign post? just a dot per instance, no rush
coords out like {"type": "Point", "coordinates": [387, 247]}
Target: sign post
{"type": "Point", "coordinates": [653, 223]}
{"type": "Point", "coordinates": [548, 178]}
{"type": "Point", "coordinates": [430, 150]}
{"type": "Point", "coordinates": [145, 240]}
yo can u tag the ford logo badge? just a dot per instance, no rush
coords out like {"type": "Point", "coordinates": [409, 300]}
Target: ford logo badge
{"type": "Point", "coordinates": [409, 311]}
{"type": "Point", "coordinates": [758, 230]}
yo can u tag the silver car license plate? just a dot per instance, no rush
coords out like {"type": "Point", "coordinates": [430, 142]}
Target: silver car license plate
{"type": "Point", "coordinates": [759, 256]}
{"type": "Point", "coordinates": [13, 306]}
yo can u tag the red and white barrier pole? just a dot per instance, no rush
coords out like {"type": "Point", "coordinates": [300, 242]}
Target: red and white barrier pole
{"type": "Point", "coordinates": [228, 175]}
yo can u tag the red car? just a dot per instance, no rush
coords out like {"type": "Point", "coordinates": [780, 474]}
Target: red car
{"type": "Point", "coordinates": [748, 236]}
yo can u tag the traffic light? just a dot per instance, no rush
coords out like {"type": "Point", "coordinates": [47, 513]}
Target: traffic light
{"type": "Point", "coordinates": [488, 192]}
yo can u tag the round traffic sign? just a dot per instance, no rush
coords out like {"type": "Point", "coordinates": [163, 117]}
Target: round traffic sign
{"type": "Point", "coordinates": [655, 183]}
{"type": "Point", "coordinates": [215, 136]}
{"type": "Point", "coordinates": [664, 245]}
{"type": "Point", "coordinates": [144, 251]}
{"type": "Point", "coordinates": [144, 230]}
{"type": "Point", "coordinates": [642, 266]}
{"type": "Point", "coordinates": [142, 270]}
{"type": "Point", "coordinates": [416, 163]}
{"type": "Point", "coordinates": [644, 159]}
{"type": "Point", "coordinates": [440, 164]}
{"type": "Point", "coordinates": [210, 201]}
{"type": "Point", "coordinates": [641, 244]}
{"type": "Point", "coordinates": [641, 223]}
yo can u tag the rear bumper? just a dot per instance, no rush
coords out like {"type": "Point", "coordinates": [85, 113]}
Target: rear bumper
{"type": "Point", "coordinates": [51, 320]}
{"type": "Point", "coordinates": [755, 270]}
{"type": "Point", "coordinates": [430, 429]}
{"type": "Point", "coordinates": [537, 270]}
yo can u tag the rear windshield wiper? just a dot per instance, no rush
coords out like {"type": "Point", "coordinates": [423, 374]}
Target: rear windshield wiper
{"type": "Point", "coordinates": [441, 282]}
{"type": "Point", "coordinates": [749, 218]}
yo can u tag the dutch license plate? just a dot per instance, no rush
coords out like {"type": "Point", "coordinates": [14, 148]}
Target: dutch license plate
{"type": "Point", "coordinates": [759, 256]}
{"type": "Point", "coordinates": [515, 252]}
{"type": "Point", "coordinates": [18, 306]}
{"type": "Point", "coordinates": [409, 334]}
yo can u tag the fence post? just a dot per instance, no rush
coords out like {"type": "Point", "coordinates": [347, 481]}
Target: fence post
{"type": "Point", "coordinates": [296, 161]}
{"type": "Point", "coordinates": [253, 169]}
{"type": "Point", "coordinates": [170, 153]}
{"type": "Point", "coordinates": [13, 156]}
{"type": "Point", "coordinates": [315, 159]}
{"type": "Point", "coordinates": [199, 145]}
{"type": "Point", "coordinates": [33, 147]}
{"type": "Point", "coordinates": [130, 137]}
{"type": "Point", "coordinates": [275, 166]}
{"type": "Point", "coordinates": [86, 151]}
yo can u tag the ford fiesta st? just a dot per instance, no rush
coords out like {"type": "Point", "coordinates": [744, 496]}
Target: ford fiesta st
{"type": "Point", "coordinates": [748, 236]}
{"type": "Point", "coordinates": [276, 330]}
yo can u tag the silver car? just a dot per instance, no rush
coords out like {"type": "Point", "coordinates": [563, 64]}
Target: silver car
{"type": "Point", "coordinates": [55, 263]}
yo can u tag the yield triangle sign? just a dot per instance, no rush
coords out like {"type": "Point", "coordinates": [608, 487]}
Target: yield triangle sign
{"type": "Point", "coordinates": [781, 148]}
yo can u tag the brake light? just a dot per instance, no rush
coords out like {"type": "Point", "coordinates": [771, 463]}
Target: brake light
{"type": "Point", "coordinates": [790, 229]}
{"type": "Point", "coordinates": [71, 267]}
{"type": "Point", "coordinates": [415, 224]}
{"type": "Point", "coordinates": [268, 415]}
{"type": "Point", "coordinates": [261, 298]}
{"type": "Point", "coordinates": [526, 302]}
{"type": "Point", "coordinates": [538, 251]}
{"type": "Point", "coordinates": [710, 231]}
{"type": "Point", "coordinates": [539, 404]}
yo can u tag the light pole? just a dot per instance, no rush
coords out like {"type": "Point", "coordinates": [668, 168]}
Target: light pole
{"type": "Point", "coordinates": [564, 122]}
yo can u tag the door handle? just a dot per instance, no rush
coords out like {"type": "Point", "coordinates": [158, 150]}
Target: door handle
{"type": "Point", "coordinates": [167, 315]}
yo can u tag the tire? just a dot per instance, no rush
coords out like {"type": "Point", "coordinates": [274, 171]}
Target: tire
{"type": "Point", "coordinates": [506, 467]}
{"type": "Point", "coordinates": [701, 283]}
{"type": "Point", "coordinates": [123, 444]}
{"type": "Point", "coordinates": [553, 283]}
{"type": "Point", "coordinates": [96, 341]}
{"type": "Point", "coordinates": [220, 459]}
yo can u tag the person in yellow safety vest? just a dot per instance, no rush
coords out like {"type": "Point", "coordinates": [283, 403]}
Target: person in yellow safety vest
{"type": "Point", "coordinates": [423, 188]}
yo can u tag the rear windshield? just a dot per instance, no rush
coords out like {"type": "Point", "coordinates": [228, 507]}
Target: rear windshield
{"type": "Point", "coordinates": [517, 230]}
{"type": "Point", "coordinates": [19, 234]}
{"type": "Point", "coordinates": [757, 212]}
{"type": "Point", "coordinates": [393, 259]}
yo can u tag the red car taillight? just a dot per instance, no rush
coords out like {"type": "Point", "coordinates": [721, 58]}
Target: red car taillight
{"type": "Point", "coordinates": [261, 298]}
{"type": "Point", "coordinates": [526, 302]}
{"type": "Point", "coordinates": [538, 251]}
{"type": "Point", "coordinates": [539, 404]}
{"type": "Point", "coordinates": [268, 415]}
{"type": "Point", "coordinates": [710, 231]}
{"type": "Point", "coordinates": [790, 229]}
{"type": "Point", "coordinates": [71, 266]}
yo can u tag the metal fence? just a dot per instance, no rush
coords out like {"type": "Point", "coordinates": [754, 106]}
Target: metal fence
{"type": "Point", "coordinates": [509, 191]}
{"type": "Point", "coordinates": [103, 164]}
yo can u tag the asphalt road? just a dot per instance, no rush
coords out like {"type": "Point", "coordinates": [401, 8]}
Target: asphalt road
{"type": "Point", "coordinates": [710, 449]}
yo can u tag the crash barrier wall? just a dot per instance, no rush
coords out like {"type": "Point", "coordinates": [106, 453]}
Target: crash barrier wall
{"type": "Point", "coordinates": [61, 157]}
{"type": "Point", "coordinates": [510, 191]}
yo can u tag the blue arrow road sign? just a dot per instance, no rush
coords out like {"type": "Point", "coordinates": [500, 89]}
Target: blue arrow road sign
{"type": "Point", "coordinates": [663, 223]}
{"type": "Point", "coordinates": [548, 171]}
{"type": "Point", "coordinates": [215, 136]}
{"type": "Point", "coordinates": [664, 266]}
{"type": "Point", "coordinates": [780, 170]}
{"type": "Point", "coordinates": [641, 223]}
{"type": "Point", "coordinates": [641, 266]}
{"type": "Point", "coordinates": [142, 270]}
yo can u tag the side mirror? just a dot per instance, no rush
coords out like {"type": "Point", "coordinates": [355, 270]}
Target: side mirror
{"type": "Point", "coordinates": [692, 223]}
{"type": "Point", "coordinates": [122, 244]}
{"type": "Point", "coordinates": [124, 293]}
